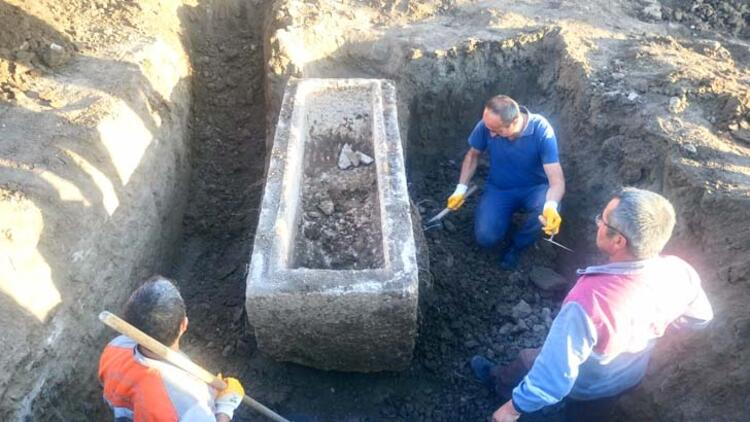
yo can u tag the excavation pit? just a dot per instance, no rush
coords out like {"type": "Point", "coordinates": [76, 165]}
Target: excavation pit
{"type": "Point", "coordinates": [333, 277]}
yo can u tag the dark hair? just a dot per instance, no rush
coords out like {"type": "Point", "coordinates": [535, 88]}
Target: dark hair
{"type": "Point", "coordinates": [157, 309]}
{"type": "Point", "coordinates": [504, 107]}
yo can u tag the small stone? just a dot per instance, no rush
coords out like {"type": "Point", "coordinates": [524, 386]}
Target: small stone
{"type": "Point", "coordinates": [470, 343]}
{"type": "Point", "coordinates": [449, 261]}
{"type": "Point", "coordinates": [652, 11]}
{"type": "Point", "coordinates": [55, 56]}
{"type": "Point", "coordinates": [690, 148]}
{"type": "Point", "coordinates": [618, 76]}
{"type": "Point", "coordinates": [498, 348]}
{"type": "Point", "coordinates": [364, 158]}
{"type": "Point", "coordinates": [506, 329]}
{"type": "Point", "coordinates": [344, 157]}
{"type": "Point", "coordinates": [449, 226]}
{"type": "Point", "coordinates": [521, 326]}
{"type": "Point", "coordinates": [547, 279]}
{"type": "Point", "coordinates": [352, 156]}
{"type": "Point", "coordinates": [677, 105]}
{"type": "Point", "coordinates": [25, 56]}
{"type": "Point", "coordinates": [521, 309]}
{"type": "Point", "coordinates": [633, 96]}
{"type": "Point", "coordinates": [537, 328]}
{"type": "Point", "coordinates": [742, 135]}
{"type": "Point", "coordinates": [228, 349]}
{"type": "Point", "coordinates": [326, 207]}
{"type": "Point", "coordinates": [546, 312]}
{"type": "Point", "coordinates": [237, 314]}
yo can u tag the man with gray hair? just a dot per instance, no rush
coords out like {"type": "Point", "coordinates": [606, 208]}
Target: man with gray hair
{"type": "Point", "coordinates": [525, 173]}
{"type": "Point", "coordinates": [600, 343]}
{"type": "Point", "coordinates": [139, 386]}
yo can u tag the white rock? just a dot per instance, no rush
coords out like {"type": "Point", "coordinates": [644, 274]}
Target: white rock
{"type": "Point", "coordinates": [653, 11]}
{"type": "Point", "coordinates": [344, 161]}
{"type": "Point", "coordinates": [690, 148]}
{"type": "Point", "coordinates": [364, 158]}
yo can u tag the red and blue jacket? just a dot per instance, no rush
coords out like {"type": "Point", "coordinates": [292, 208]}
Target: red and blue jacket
{"type": "Point", "coordinates": [600, 343]}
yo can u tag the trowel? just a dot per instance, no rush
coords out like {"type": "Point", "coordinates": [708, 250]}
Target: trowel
{"type": "Point", "coordinates": [552, 241]}
{"type": "Point", "coordinates": [436, 222]}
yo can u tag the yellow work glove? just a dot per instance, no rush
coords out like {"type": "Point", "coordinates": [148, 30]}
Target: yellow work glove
{"type": "Point", "coordinates": [551, 218]}
{"type": "Point", "coordinates": [229, 399]}
{"type": "Point", "coordinates": [457, 198]}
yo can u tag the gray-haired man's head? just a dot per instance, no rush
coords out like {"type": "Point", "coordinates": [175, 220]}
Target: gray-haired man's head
{"type": "Point", "coordinates": [157, 309]}
{"type": "Point", "coordinates": [646, 219]}
{"type": "Point", "coordinates": [504, 107]}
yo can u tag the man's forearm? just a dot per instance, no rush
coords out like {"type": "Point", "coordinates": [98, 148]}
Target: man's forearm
{"type": "Point", "coordinates": [556, 191]}
{"type": "Point", "coordinates": [468, 168]}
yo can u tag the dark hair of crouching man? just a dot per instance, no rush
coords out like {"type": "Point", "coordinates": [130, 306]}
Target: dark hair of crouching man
{"type": "Point", "coordinates": [138, 385]}
{"type": "Point", "coordinates": [157, 309]}
{"type": "Point", "coordinates": [600, 343]}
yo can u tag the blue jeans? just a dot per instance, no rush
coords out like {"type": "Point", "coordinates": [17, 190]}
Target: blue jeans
{"type": "Point", "coordinates": [495, 212]}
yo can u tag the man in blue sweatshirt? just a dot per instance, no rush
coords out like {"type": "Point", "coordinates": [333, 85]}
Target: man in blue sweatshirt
{"type": "Point", "coordinates": [600, 343]}
{"type": "Point", "coordinates": [525, 173]}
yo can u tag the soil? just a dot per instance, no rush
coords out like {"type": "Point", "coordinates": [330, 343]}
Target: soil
{"type": "Point", "coordinates": [633, 99]}
{"type": "Point", "coordinates": [340, 222]}
{"type": "Point", "coordinates": [731, 16]}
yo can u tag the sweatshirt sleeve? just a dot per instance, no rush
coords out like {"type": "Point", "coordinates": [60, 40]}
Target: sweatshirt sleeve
{"type": "Point", "coordinates": [699, 311]}
{"type": "Point", "coordinates": [569, 343]}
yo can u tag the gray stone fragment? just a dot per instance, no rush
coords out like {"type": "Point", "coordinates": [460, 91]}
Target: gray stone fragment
{"type": "Point", "coordinates": [326, 206]}
{"type": "Point", "coordinates": [364, 158]}
{"type": "Point", "coordinates": [689, 148]}
{"type": "Point", "coordinates": [521, 309]}
{"type": "Point", "coordinates": [506, 329]}
{"type": "Point", "coordinates": [55, 55]}
{"type": "Point", "coordinates": [521, 326]}
{"type": "Point", "coordinates": [344, 157]}
{"type": "Point", "coordinates": [652, 11]}
{"type": "Point", "coordinates": [547, 279]}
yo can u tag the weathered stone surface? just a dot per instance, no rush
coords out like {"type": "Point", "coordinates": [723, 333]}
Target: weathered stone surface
{"type": "Point", "coordinates": [339, 316]}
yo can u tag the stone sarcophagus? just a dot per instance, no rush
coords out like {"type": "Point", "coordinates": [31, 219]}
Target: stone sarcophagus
{"type": "Point", "coordinates": [333, 275]}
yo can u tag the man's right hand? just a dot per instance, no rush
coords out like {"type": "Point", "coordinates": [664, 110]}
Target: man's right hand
{"type": "Point", "coordinates": [456, 200]}
{"type": "Point", "coordinates": [228, 399]}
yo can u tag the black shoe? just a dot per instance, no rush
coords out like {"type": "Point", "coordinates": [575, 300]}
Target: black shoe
{"type": "Point", "coordinates": [481, 367]}
{"type": "Point", "coordinates": [510, 259]}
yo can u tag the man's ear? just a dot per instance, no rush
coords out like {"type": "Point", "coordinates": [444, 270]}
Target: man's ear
{"type": "Point", "coordinates": [621, 242]}
{"type": "Point", "coordinates": [184, 325]}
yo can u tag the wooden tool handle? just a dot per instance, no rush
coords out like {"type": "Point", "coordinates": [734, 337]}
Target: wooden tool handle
{"type": "Point", "coordinates": [179, 360]}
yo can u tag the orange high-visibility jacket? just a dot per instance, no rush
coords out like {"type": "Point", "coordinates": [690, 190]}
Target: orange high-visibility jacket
{"type": "Point", "coordinates": [141, 389]}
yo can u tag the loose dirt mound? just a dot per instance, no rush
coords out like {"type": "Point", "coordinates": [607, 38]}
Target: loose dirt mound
{"type": "Point", "coordinates": [732, 16]}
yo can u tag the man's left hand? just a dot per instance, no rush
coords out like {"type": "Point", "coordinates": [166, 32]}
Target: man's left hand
{"type": "Point", "coordinates": [506, 413]}
{"type": "Point", "coordinates": [550, 218]}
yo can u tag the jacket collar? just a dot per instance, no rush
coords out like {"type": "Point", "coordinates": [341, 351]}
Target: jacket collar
{"type": "Point", "coordinates": [620, 268]}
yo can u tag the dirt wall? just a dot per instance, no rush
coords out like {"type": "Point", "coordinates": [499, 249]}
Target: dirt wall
{"type": "Point", "coordinates": [631, 106]}
{"type": "Point", "coordinates": [94, 165]}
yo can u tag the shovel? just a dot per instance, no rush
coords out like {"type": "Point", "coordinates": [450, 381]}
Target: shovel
{"type": "Point", "coordinates": [179, 360]}
{"type": "Point", "coordinates": [436, 221]}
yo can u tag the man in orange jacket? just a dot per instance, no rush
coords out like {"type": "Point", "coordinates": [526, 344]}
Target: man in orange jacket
{"type": "Point", "coordinates": [139, 386]}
